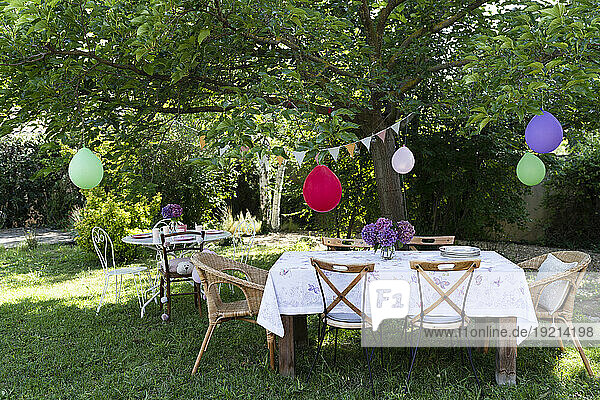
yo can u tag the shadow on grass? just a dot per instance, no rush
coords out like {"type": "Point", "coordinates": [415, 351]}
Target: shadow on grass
{"type": "Point", "coordinates": [58, 349]}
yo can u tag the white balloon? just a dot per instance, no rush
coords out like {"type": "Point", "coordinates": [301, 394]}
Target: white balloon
{"type": "Point", "coordinates": [403, 160]}
{"type": "Point", "coordinates": [195, 276]}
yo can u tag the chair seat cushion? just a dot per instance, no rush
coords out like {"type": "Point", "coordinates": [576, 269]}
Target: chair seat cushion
{"type": "Point", "coordinates": [553, 295]}
{"type": "Point", "coordinates": [441, 322]}
{"type": "Point", "coordinates": [344, 320]}
{"type": "Point", "coordinates": [182, 266]}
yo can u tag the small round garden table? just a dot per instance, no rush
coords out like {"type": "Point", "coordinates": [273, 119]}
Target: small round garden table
{"type": "Point", "coordinates": [209, 236]}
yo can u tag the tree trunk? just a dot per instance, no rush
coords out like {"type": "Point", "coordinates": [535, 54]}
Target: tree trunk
{"type": "Point", "coordinates": [389, 186]}
{"type": "Point", "coordinates": [276, 208]}
{"type": "Point", "coordinates": [263, 189]}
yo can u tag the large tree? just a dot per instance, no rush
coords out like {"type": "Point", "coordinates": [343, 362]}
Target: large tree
{"type": "Point", "coordinates": [83, 66]}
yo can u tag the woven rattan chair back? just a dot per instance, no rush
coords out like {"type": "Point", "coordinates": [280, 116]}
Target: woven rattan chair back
{"type": "Point", "coordinates": [215, 270]}
{"type": "Point", "coordinates": [564, 312]}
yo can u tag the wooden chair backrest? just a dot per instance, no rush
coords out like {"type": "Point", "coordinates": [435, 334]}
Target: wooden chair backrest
{"type": "Point", "coordinates": [430, 241]}
{"type": "Point", "coordinates": [360, 270]}
{"type": "Point", "coordinates": [168, 248]}
{"type": "Point", "coordinates": [343, 244]}
{"type": "Point", "coordinates": [423, 267]}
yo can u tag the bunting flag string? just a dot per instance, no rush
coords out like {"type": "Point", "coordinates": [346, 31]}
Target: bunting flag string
{"type": "Point", "coordinates": [367, 142]}
{"type": "Point", "coordinates": [350, 147]}
{"type": "Point", "coordinates": [299, 155]}
{"type": "Point", "coordinates": [335, 152]}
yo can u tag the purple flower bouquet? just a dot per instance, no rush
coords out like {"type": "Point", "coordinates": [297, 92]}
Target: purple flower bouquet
{"type": "Point", "coordinates": [385, 234]}
{"type": "Point", "coordinates": [172, 212]}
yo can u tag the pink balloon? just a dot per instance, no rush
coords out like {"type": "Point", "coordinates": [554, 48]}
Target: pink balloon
{"type": "Point", "coordinates": [322, 190]}
{"type": "Point", "coordinates": [403, 160]}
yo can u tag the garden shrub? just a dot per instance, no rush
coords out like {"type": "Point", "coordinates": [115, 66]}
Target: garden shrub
{"type": "Point", "coordinates": [118, 218]}
{"type": "Point", "coordinates": [573, 199]}
{"type": "Point", "coordinates": [31, 194]}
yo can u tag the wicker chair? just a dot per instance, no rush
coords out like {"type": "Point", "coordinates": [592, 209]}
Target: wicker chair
{"type": "Point", "coordinates": [213, 272]}
{"type": "Point", "coordinates": [564, 312]}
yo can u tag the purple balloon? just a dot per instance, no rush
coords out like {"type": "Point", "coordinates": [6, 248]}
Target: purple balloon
{"type": "Point", "coordinates": [543, 133]}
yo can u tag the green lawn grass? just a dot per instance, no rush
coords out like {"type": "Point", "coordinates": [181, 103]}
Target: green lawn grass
{"type": "Point", "coordinates": [54, 346]}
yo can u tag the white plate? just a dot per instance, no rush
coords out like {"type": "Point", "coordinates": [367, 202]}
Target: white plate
{"type": "Point", "coordinates": [460, 249]}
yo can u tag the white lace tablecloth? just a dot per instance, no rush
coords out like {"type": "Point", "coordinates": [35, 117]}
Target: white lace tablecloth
{"type": "Point", "coordinates": [498, 287]}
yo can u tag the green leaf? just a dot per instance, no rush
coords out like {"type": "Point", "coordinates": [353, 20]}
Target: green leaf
{"type": "Point", "coordinates": [553, 63]}
{"type": "Point", "coordinates": [537, 86]}
{"type": "Point", "coordinates": [204, 33]}
{"type": "Point", "coordinates": [483, 123]}
{"type": "Point", "coordinates": [536, 65]}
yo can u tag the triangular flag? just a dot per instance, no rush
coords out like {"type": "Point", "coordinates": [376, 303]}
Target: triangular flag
{"type": "Point", "coordinates": [299, 156]}
{"type": "Point", "coordinates": [367, 142]}
{"type": "Point", "coordinates": [350, 147]}
{"type": "Point", "coordinates": [382, 135]}
{"type": "Point", "coordinates": [396, 127]}
{"type": "Point", "coordinates": [202, 141]}
{"type": "Point", "coordinates": [335, 152]}
{"type": "Point", "coordinates": [263, 160]}
{"type": "Point", "coordinates": [223, 150]}
{"type": "Point", "coordinates": [280, 160]}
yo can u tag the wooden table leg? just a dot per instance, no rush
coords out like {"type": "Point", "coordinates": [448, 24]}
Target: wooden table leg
{"type": "Point", "coordinates": [506, 353]}
{"type": "Point", "coordinates": [287, 360]}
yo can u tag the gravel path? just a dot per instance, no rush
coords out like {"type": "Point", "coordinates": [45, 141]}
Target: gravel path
{"type": "Point", "coordinates": [15, 236]}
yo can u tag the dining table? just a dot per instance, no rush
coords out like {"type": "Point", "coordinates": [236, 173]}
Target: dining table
{"type": "Point", "coordinates": [498, 292]}
{"type": "Point", "coordinates": [190, 239]}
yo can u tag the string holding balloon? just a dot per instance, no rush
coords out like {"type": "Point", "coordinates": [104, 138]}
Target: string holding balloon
{"type": "Point", "coordinates": [85, 168]}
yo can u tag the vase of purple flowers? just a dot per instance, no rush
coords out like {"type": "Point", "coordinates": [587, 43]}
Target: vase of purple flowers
{"type": "Point", "coordinates": [172, 212]}
{"type": "Point", "coordinates": [385, 234]}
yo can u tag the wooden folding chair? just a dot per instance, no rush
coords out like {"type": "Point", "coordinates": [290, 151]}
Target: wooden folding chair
{"type": "Point", "coordinates": [170, 257]}
{"type": "Point", "coordinates": [335, 319]}
{"type": "Point", "coordinates": [430, 241]}
{"type": "Point", "coordinates": [425, 319]}
{"type": "Point", "coordinates": [338, 244]}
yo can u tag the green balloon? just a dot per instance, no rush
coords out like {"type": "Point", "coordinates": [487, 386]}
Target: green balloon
{"type": "Point", "coordinates": [85, 169]}
{"type": "Point", "coordinates": [530, 169]}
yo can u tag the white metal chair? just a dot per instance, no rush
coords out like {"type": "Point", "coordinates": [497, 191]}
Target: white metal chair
{"type": "Point", "coordinates": [241, 247]}
{"type": "Point", "coordinates": [106, 253]}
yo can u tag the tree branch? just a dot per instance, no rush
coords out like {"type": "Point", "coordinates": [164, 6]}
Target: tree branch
{"type": "Point", "coordinates": [413, 82]}
{"type": "Point", "coordinates": [365, 16]}
{"type": "Point", "coordinates": [194, 110]}
{"type": "Point", "coordinates": [277, 45]}
{"type": "Point", "coordinates": [382, 20]}
{"type": "Point", "coordinates": [433, 29]}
